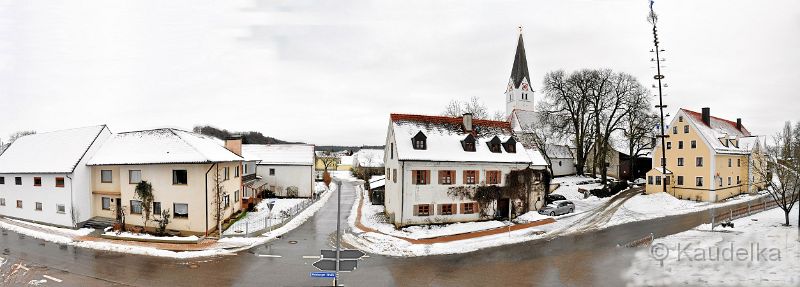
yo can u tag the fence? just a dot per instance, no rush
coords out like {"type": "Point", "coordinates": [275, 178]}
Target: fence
{"type": "Point", "coordinates": [763, 205]}
{"type": "Point", "coordinates": [266, 220]}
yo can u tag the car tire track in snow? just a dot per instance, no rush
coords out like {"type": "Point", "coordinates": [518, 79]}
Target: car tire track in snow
{"type": "Point", "coordinates": [597, 217]}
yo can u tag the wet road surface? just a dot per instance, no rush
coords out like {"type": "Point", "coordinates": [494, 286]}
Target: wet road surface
{"type": "Point", "coordinates": [590, 258]}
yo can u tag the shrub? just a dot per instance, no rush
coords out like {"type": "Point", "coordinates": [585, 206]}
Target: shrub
{"type": "Point", "coordinates": [292, 191]}
{"type": "Point", "coordinates": [326, 178]}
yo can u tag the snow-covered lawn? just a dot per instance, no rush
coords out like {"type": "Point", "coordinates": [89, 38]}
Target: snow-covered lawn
{"type": "Point", "coordinates": [759, 251]}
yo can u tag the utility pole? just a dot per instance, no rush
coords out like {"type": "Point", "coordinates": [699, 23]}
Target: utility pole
{"type": "Point", "coordinates": [338, 230]}
{"type": "Point", "coordinates": [653, 18]}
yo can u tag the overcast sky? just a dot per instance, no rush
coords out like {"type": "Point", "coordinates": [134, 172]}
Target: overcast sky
{"type": "Point", "coordinates": [330, 72]}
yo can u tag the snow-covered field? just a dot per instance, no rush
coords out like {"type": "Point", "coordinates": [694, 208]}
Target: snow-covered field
{"type": "Point", "coordinates": [759, 251]}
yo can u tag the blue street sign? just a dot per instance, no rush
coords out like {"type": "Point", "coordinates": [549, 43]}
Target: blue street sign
{"type": "Point", "coordinates": [323, 274]}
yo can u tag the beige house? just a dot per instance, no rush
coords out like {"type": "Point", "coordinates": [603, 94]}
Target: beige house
{"type": "Point", "coordinates": [183, 168]}
{"type": "Point", "coordinates": [707, 158]}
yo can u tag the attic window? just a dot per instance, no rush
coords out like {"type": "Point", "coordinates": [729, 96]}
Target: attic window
{"type": "Point", "coordinates": [680, 119]}
{"type": "Point", "coordinates": [510, 145]}
{"type": "Point", "coordinates": [419, 141]}
{"type": "Point", "coordinates": [494, 145]}
{"type": "Point", "coordinates": [468, 143]}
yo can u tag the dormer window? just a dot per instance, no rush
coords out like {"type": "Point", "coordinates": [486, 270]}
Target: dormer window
{"type": "Point", "coordinates": [468, 143]}
{"type": "Point", "coordinates": [510, 145]}
{"type": "Point", "coordinates": [419, 141]}
{"type": "Point", "coordinates": [494, 145]}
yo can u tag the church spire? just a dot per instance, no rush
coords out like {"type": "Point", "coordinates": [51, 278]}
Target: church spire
{"type": "Point", "coordinates": [520, 69]}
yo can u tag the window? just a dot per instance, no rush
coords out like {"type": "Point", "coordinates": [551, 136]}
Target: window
{"type": "Point", "coordinates": [59, 182]}
{"type": "Point", "coordinates": [680, 161]}
{"type": "Point", "coordinates": [420, 177]}
{"type": "Point", "coordinates": [388, 174]}
{"type": "Point", "coordinates": [666, 180]}
{"type": "Point", "coordinates": [698, 181]}
{"type": "Point", "coordinates": [680, 119]}
{"type": "Point", "coordinates": [226, 201]}
{"type": "Point", "coordinates": [658, 180]}
{"type": "Point", "coordinates": [422, 210]}
{"type": "Point", "coordinates": [245, 168]}
{"type": "Point", "coordinates": [38, 206]}
{"type": "Point", "coordinates": [106, 176]}
{"type": "Point", "coordinates": [60, 208]}
{"type": "Point", "coordinates": [468, 143]}
{"type": "Point", "coordinates": [738, 162]}
{"type": "Point", "coordinates": [181, 210]}
{"type": "Point", "coordinates": [730, 161]}
{"type": "Point", "coordinates": [680, 180]}
{"type": "Point", "coordinates": [134, 176]}
{"type": "Point", "coordinates": [419, 141]}
{"type": "Point", "coordinates": [446, 177]}
{"type": "Point", "coordinates": [180, 177]}
{"type": "Point", "coordinates": [650, 180]}
{"type": "Point", "coordinates": [2, 180]}
{"type": "Point", "coordinates": [492, 177]}
{"type": "Point", "coordinates": [669, 145]}
{"type": "Point", "coordinates": [559, 163]}
{"type": "Point", "coordinates": [447, 209]}
{"type": "Point", "coordinates": [663, 162]}
{"type": "Point", "coordinates": [19, 203]}
{"type": "Point", "coordinates": [730, 181]}
{"type": "Point", "coordinates": [680, 144]}
{"type": "Point", "coordinates": [694, 144]}
{"type": "Point", "coordinates": [136, 207]}
{"type": "Point", "coordinates": [510, 145]}
{"type": "Point", "coordinates": [675, 130]}
{"type": "Point", "coordinates": [494, 145]}
{"type": "Point", "coordinates": [2, 202]}
{"type": "Point", "coordinates": [391, 150]}
{"type": "Point", "coordinates": [686, 129]}
{"type": "Point", "coordinates": [236, 196]}
{"type": "Point", "coordinates": [470, 177]}
{"type": "Point", "coordinates": [106, 205]}
{"type": "Point", "coordinates": [236, 171]}
{"type": "Point", "coordinates": [157, 208]}
{"type": "Point", "coordinates": [738, 181]}
{"type": "Point", "coordinates": [468, 208]}
{"type": "Point", "coordinates": [699, 161]}
{"type": "Point", "coordinates": [720, 181]}
{"type": "Point", "coordinates": [394, 175]}
{"type": "Point", "coordinates": [271, 171]}
{"type": "Point", "coordinates": [226, 173]}
{"type": "Point", "coordinates": [37, 181]}
{"type": "Point", "coordinates": [18, 180]}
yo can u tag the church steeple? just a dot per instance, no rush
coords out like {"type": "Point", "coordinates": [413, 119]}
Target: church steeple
{"type": "Point", "coordinates": [519, 94]}
{"type": "Point", "coordinates": [520, 69]}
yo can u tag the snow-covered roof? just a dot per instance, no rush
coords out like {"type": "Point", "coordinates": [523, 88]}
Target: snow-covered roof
{"type": "Point", "coordinates": [166, 145]}
{"type": "Point", "coordinates": [661, 170]}
{"type": "Point", "coordinates": [525, 120]}
{"type": "Point", "coordinates": [536, 157]}
{"type": "Point", "coordinates": [377, 181]}
{"type": "Point", "coordinates": [718, 133]}
{"type": "Point", "coordinates": [279, 154]}
{"type": "Point", "coordinates": [558, 151]}
{"type": "Point", "coordinates": [346, 160]}
{"type": "Point", "coordinates": [369, 157]}
{"type": "Point", "coordinates": [50, 152]}
{"type": "Point", "coordinates": [444, 136]}
{"type": "Point", "coordinates": [620, 143]}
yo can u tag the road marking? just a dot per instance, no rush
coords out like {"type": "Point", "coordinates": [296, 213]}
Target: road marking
{"type": "Point", "coordinates": [269, 255]}
{"type": "Point", "coordinates": [52, 278]}
{"type": "Point", "coordinates": [311, 257]}
{"type": "Point", "coordinates": [23, 267]}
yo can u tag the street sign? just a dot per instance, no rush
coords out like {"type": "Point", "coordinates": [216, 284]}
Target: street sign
{"type": "Point", "coordinates": [270, 204]}
{"type": "Point", "coordinates": [323, 274]}
{"type": "Point", "coordinates": [330, 265]}
{"type": "Point", "coordinates": [343, 254]}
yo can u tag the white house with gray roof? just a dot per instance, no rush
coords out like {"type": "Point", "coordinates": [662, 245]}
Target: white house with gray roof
{"type": "Point", "coordinates": [282, 166]}
{"type": "Point", "coordinates": [44, 177]}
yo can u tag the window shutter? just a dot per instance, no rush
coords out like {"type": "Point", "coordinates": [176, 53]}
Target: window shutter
{"type": "Point", "coordinates": [441, 176]}
{"type": "Point", "coordinates": [475, 207]}
{"type": "Point", "coordinates": [414, 176]}
{"type": "Point", "coordinates": [464, 178]}
{"type": "Point", "coordinates": [416, 210]}
{"type": "Point", "coordinates": [441, 208]}
{"type": "Point", "coordinates": [430, 209]}
{"type": "Point", "coordinates": [477, 177]}
{"type": "Point", "coordinates": [427, 177]}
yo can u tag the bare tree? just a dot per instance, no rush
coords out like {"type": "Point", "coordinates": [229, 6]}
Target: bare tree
{"type": "Point", "coordinates": [328, 160]}
{"type": "Point", "coordinates": [218, 202]}
{"type": "Point", "coordinates": [781, 173]}
{"type": "Point", "coordinates": [639, 126]}
{"type": "Point", "coordinates": [457, 108]}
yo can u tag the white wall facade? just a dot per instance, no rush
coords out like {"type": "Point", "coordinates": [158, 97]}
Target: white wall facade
{"type": "Point", "coordinates": [301, 176]}
{"type": "Point", "coordinates": [562, 166]}
{"type": "Point", "coordinates": [520, 98]}
{"type": "Point", "coordinates": [47, 194]}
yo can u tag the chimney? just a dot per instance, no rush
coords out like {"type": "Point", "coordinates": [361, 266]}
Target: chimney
{"type": "Point", "coordinates": [739, 124]}
{"type": "Point", "coordinates": [707, 116]}
{"type": "Point", "coordinates": [234, 144]}
{"type": "Point", "coordinates": [467, 122]}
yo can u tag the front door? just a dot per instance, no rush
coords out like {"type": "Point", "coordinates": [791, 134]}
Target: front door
{"type": "Point", "coordinates": [119, 208]}
{"type": "Point", "coordinates": [502, 208]}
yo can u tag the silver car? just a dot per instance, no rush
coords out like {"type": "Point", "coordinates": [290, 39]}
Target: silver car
{"type": "Point", "coordinates": [558, 208]}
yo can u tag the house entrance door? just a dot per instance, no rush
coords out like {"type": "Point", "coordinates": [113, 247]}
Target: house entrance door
{"type": "Point", "coordinates": [119, 208]}
{"type": "Point", "coordinates": [502, 208]}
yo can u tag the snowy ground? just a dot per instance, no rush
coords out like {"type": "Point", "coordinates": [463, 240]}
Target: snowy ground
{"type": "Point", "coordinates": [759, 251]}
{"type": "Point", "coordinates": [637, 208]}
{"type": "Point", "coordinates": [148, 237]}
{"type": "Point", "coordinates": [224, 246]}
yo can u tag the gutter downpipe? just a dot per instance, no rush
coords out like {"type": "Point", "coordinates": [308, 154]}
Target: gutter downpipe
{"type": "Point", "coordinates": [209, 170]}
{"type": "Point", "coordinates": [71, 202]}
{"type": "Point", "coordinates": [402, 190]}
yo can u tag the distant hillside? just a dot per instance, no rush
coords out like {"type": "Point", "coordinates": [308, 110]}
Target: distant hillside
{"type": "Point", "coordinates": [336, 148]}
{"type": "Point", "coordinates": [247, 137]}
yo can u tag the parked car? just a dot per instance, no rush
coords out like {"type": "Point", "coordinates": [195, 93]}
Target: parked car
{"type": "Point", "coordinates": [558, 208]}
{"type": "Point", "coordinates": [550, 198]}
{"type": "Point", "coordinates": [640, 181]}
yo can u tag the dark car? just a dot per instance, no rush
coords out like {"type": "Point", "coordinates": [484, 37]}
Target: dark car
{"type": "Point", "coordinates": [550, 198]}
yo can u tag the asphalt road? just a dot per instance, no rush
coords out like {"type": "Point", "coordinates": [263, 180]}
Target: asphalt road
{"type": "Point", "coordinates": [584, 259]}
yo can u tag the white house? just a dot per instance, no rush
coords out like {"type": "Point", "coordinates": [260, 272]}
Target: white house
{"type": "Point", "coordinates": [430, 156]}
{"type": "Point", "coordinates": [281, 166]}
{"type": "Point", "coordinates": [44, 177]}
